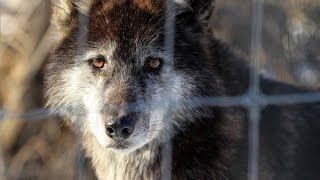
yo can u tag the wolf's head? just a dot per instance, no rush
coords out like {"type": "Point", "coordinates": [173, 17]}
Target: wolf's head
{"type": "Point", "coordinates": [114, 76]}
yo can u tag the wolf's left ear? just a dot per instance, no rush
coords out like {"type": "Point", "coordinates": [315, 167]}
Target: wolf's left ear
{"type": "Point", "coordinates": [202, 9]}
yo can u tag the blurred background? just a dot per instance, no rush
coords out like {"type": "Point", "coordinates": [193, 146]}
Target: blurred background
{"type": "Point", "coordinates": [35, 146]}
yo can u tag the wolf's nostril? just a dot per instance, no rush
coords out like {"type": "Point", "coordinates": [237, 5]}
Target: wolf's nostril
{"type": "Point", "coordinates": [125, 131]}
{"type": "Point", "coordinates": [110, 130]}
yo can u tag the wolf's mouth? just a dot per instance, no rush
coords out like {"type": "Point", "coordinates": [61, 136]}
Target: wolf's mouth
{"type": "Point", "coordinates": [118, 144]}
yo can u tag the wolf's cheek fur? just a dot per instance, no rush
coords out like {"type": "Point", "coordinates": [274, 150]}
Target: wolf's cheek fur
{"type": "Point", "coordinates": [167, 102]}
{"type": "Point", "coordinates": [66, 90]}
{"type": "Point", "coordinates": [76, 97]}
{"type": "Point", "coordinates": [93, 118]}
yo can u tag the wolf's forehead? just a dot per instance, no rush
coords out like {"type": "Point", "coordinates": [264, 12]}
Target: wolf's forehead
{"type": "Point", "coordinates": [147, 5]}
{"type": "Point", "coordinates": [130, 20]}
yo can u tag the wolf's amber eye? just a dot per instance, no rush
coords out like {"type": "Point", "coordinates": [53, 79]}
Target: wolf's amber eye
{"type": "Point", "coordinates": [98, 62]}
{"type": "Point", "coordinates": [153, 63]}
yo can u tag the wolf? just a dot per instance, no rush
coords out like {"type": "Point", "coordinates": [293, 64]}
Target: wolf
{"type": "Point", "coordinates": [135, 105]}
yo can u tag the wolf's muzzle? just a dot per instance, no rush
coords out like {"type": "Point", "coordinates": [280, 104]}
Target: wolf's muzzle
{"type": "Point", "coordinates": [120, 129]}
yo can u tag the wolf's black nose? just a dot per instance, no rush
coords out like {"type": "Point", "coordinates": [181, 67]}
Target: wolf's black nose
{"type": "Point", "coordinates": [120, 129]}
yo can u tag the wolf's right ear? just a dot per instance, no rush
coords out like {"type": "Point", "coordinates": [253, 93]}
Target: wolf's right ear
{"type": "Point", "coordinates": [65, 14]}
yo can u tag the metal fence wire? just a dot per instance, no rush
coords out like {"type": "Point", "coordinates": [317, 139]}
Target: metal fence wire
{"type": "Point", "coordinates": [254, 100]}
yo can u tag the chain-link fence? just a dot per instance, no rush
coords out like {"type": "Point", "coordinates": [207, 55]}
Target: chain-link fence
{"type": "Point", "coordinates": [281, 38]}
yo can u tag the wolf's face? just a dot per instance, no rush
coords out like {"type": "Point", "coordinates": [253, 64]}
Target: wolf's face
{"type": "Point", "coordinates": [114, 78]}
